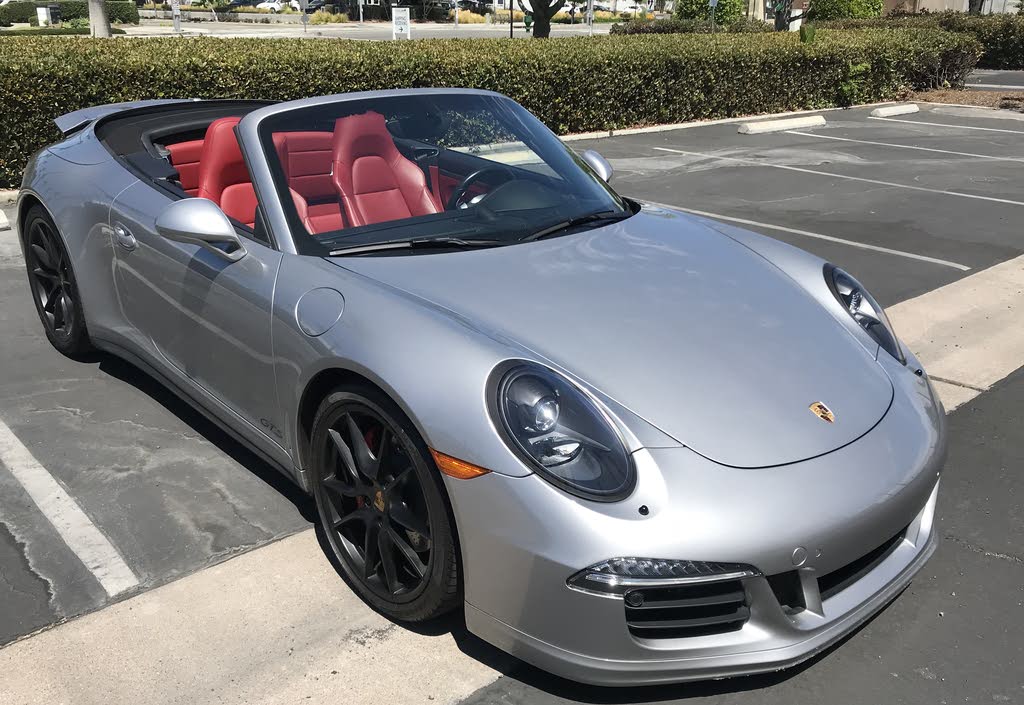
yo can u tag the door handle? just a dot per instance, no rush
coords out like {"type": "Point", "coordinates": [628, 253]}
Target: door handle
{"type": "Point", "coordinates": [124, 237]}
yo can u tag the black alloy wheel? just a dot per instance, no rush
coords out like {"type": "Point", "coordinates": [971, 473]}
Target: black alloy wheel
{"type": "Point", "coordinates": [53, 284]}
{"type": "Point", "coordinates": [382, 506]}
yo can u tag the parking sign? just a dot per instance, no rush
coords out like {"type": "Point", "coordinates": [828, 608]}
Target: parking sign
{"type": "Point", "coordinates": [400, 28]}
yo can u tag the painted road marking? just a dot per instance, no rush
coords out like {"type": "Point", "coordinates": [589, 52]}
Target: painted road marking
{"type": "Point", "coordinates": [968, 334]}
{"type": "Point", "coordinates": [997, 86]}
{"type": "Point", "coordinates": [907, 146]}
{"type": "Point", "coordinates": [755, 162]}
{"type": "Point", "coordinates": [275, 626]}
{"type": "Point", "coordinates": [77, 530]}
{"type": "Point", "coordinates": [946, 124]}
{"type": "Point", "coordinates": [828, 238]}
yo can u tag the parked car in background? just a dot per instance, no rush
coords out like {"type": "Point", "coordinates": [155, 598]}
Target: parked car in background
{"type": "Point", "coordinates": [277, 5]}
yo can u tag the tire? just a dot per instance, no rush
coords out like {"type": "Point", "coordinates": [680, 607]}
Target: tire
{"type": "Point", "coordinates": [371, 468]}
{"type": "Point", "coordinates": [53, 285]}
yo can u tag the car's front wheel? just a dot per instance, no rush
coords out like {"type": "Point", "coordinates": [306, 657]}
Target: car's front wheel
{"type": "Point", "coordinates": [382, 506]}
{"type": "Point", "coordinates": [53, 283]}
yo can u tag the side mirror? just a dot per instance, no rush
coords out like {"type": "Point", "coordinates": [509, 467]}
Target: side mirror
{"type": "Point", "coordinates": [199, 221]}
{"type": "Point", "coordinates": [598, 163]}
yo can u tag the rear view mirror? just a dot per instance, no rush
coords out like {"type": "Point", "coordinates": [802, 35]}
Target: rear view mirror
{"type": "Point", "coordinates": [598, 163]}
{"type": "Point", "coordinates": [199, 221]}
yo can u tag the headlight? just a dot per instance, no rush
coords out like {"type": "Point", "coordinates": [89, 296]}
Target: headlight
{"type": "Point", "coordinates": [563, 435]}
{"type": "Point", "coordinates": [852, 295]}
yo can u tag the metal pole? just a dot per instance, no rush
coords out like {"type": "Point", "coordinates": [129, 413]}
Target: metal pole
{"type": "Point", "coordinates": [360, 11]}
{"type": "Point", "coordinates": [510, 22]}
{"type": "Point", "coordinates": [590, 16]}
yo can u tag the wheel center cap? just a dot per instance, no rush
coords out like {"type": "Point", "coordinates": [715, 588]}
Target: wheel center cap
{"type": "Point", "coordinates": [378, 500]}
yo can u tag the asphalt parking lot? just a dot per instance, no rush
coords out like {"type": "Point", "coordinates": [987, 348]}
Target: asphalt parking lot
{"type": "Point", "coordinates": [914, 206]}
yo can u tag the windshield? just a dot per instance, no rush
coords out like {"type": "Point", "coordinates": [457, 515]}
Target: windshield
{"type": "Point", "coordinates": [459, 167]}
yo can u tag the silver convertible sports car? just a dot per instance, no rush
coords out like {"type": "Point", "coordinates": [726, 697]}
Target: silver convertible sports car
{"type": "Point", "coordinates": [633, 445]}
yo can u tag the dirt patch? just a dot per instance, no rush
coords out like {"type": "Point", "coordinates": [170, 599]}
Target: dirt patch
{"type": "Point", "coordinates": [1006, 100]}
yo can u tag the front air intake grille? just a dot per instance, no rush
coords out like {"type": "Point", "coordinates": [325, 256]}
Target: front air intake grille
{"type": "Point", "coordinates": [686, 610]}
{"type": "Point", "coordinates": [838, 580]}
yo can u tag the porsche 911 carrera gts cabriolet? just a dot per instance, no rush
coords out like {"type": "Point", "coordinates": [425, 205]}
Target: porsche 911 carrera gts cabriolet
{"type": "Point", "coordinates": [635, 446]}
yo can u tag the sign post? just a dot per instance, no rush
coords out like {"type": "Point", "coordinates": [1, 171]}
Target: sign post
{"type": "Point", "coordinates": [713, 4]}
{"type": "Point", "coordinates": [360, 11]}
{"type": "Point", "coordinates": [590, 16]}
{"type": "Point", "coordinates": [400, 27]}
{"type": "Point", "coordinates": [305, 17]}
{"type": "Point", "coordinates": [176, 14]}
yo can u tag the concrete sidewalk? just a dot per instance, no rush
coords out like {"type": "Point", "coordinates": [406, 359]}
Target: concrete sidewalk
{"type": "Point", "coordinates": [276, 625]}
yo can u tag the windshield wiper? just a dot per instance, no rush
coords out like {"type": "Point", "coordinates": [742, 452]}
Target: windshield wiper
{"type": "Point", "coordinates": [416, 242]}
{"type": "Point", "coordinates": [573, 222]}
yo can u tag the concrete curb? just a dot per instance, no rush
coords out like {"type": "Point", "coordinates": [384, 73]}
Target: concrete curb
{"type": "Point", "coordinates": [891, 110]}
{"type": "Point", "coordinates": [703, 123]}
{"type": "Point", "coordinates": [762, 127]}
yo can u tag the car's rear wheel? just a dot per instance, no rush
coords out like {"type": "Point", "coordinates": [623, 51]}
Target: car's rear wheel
{"type": "Point", "coordinates": [382, 506]}
{"type": "Point", "coordinates": [53, 284]}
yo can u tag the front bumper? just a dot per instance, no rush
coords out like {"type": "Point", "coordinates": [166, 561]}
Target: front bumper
{"type": "Point", "coordinates": [521, 540]}
{"type": "Point", "coordinates": [771, 640]}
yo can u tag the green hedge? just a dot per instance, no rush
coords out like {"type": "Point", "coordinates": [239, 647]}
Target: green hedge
{"type": "Point", "coordinates": [52, 32]}
{"type": "Point", "coordinates": [117, 11]}
{"type": "Point", "coordinates": [680, 26]}
{"type": "Point", "coordinates": [836, 9]}
{"type": "Point", "coordinates": [635, 80]}
{"type": "Point", "coordinates": [1002, 36]}
{"type": "Point", "coordinates": [725, 12]}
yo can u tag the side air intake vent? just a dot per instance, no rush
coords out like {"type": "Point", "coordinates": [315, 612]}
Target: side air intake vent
{"type": "Point", "coordinates": [686, 610]}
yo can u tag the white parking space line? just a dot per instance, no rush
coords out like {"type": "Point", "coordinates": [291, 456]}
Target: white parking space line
{"type": "Point", "coordinates": [907, 146]}
{"type": "Point", "coordinates": [275, 626]}
{"type": "Point", "coordinates": [755, 162]}
{"type": "Point", "coordinates": [997, 86]}
{"type": "Point", "coordinates": [77, 530]}
{"type": "Point", "coordinates": [968, 334]}
{"type": "Point", "coordinates": [946, 124]}
{"type": "Point", "coordinates": [828, 238]}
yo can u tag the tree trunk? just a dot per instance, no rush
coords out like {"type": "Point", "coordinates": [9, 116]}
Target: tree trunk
{"type": "Point", "coordinates": [99, 25]}
{"type": "Point", "coordinates": [541, 26]}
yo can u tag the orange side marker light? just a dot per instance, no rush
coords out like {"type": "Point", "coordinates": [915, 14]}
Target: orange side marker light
{"type": "Point", "coordinates": [459, 469]}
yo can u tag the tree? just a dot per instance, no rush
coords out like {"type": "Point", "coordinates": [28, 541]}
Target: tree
{"type": "Point", "coordinates": [543, 11]}
{"type": "Point", "coordinates": [99, 24]}
{"type": "Point", "coordinates": [726, 12]}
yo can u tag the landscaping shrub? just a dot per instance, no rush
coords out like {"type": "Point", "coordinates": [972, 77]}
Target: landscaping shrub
{"type": "Point", "coordinates": [1002, 36]}
{"type": "Point", "coordinates": [679, 26]}
{"type": "Point", "coordinates": [631, 80]}
{"type": "Point", "coordinates": [467, 17]}
{"type": "Point", "coordinates": [838, 9]}
{"type": "Point", "coordinates": [323, 17]}
{"type": "Point", "coordinates": [52, 31]}
{"type": "Point", "coordinates": [727, 10]}
{"type": "Point", "coordinates": [117, 11]}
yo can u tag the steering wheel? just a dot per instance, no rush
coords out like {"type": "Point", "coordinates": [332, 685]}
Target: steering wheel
{"type": "Point", "coordinates": [455, 201]}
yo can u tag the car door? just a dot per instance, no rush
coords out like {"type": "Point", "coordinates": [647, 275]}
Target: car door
{"type": "Point", "coordinates": [200, 314]}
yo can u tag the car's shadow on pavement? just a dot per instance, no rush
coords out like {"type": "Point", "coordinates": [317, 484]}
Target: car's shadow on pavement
{"type": "Point", "coordinates": [523, 673]}
{"type": "Point", "coordinates": [126, 372]}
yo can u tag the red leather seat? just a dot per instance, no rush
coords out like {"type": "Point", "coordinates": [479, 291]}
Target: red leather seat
{"type": "Point", "coordinates": [375, 182]}
{"type": "Point", "coordinates": [223, 176]}
{"type": "Point", "coordinates": [306, 158]}
{"type": "Point", "coordinates": [184, 156]}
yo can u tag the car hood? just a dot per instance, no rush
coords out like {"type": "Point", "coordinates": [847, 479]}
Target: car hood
{"type": "Point", "coordinates": [690, 330]}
